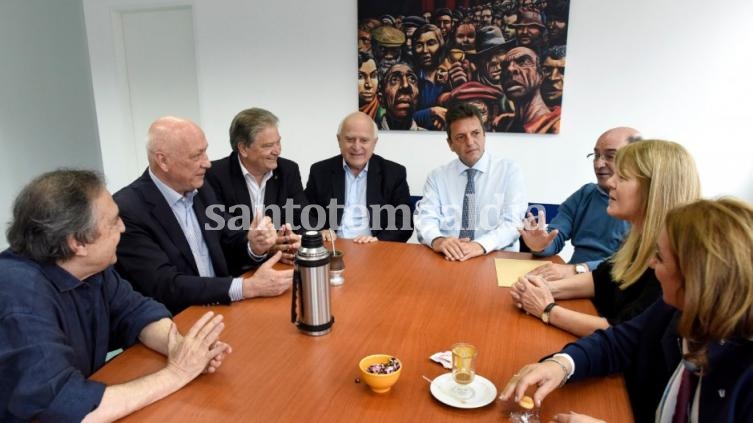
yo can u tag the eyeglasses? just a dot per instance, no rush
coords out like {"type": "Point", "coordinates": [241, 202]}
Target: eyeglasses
{"type": "Point", "coordinates": [595, 157]}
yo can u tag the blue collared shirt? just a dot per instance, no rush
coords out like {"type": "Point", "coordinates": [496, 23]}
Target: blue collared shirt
{"type": "Point", "coordinates": [583, 219]}
{"type": "Point", "coordinates": [55, 331]}
{"type": "Point", "coordinates": [182, 207]}
{"type": "Point", "coordinates": [355, 220]}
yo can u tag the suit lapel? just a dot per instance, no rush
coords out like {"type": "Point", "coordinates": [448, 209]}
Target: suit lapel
{"type": "Point", "coordinates": [373, 186]}
{"type": "Point", "coordinates": [238, 182]}
{"type": "Point", "coordinates": [272, 190]}
{"type": "Point", "coordinates": [164, 215]}
{"type": "Point", "coordinates": [338, 185]}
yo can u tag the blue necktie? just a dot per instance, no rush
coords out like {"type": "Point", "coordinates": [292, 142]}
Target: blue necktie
{"type": "Point", "coordinates": [468, 224]}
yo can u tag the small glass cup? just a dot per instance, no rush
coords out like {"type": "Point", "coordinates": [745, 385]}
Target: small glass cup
{"type": "Point", "coordinates": [336, 268]}
{"type": "Point", "coordinates": [523, 411]}
{"type": "Point", "coordinates": [463, 369]}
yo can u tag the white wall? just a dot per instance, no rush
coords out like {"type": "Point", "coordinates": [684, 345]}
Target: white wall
{"type": "Point", "coordinates": [674, 69]}
{"type": "Point", "coordinates": [47, 117]}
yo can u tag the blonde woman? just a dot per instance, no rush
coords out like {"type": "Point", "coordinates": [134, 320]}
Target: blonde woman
{"type": "Point", "coordinates": [651, 177]}
{"type": "Point", "coordinates": [688, 358]}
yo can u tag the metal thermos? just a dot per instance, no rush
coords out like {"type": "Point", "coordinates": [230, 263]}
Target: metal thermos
{"type": "Point", "coordinates": [311, 310]}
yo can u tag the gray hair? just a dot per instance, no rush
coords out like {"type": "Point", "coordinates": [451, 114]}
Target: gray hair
{"type": "Point", "coordinates": [50, 208]}
{"type": "Point", "coordinates": [248, 123]}
{"type": "Point", "coordinates": [374, 126]}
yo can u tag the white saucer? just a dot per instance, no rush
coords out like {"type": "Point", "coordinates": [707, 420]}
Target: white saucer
{"type": "Point", "coordinates": [484, 392]}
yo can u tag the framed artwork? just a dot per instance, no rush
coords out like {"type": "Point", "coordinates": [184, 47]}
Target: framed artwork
{"type": "Point", "coordinates": [507, 57]}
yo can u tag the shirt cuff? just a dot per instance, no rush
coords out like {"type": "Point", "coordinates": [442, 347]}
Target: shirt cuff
{"type": "Point", "coordinates": [236, 289]}
{"type": "Point", "coordinates": [428, 236]}
{"type": "Point", "coordinates": [253, 256]}
{"type": "Point", "coordinates": [569, 360]}
{"type": "Point", "coordinates": [593, 264]}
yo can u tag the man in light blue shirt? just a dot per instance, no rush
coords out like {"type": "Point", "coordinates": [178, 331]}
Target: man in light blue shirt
{"type": "Point", "coordinates": [583, 217]}
{"type": "Point", "coordinates": [364, 196]}
{"type": "Point", "coordinates": [355, 221]}
{"type": "Point", "coordinates": [472, 205]}
{"type": "Point", "coordinates": [173, 248]}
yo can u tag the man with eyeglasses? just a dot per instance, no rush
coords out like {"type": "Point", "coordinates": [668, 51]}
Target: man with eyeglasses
{"type": "Point", "coordinates": [583, 217]}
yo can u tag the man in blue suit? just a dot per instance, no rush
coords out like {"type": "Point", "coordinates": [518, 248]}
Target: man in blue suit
{"type": "Point", "coordinates": [173, 248]}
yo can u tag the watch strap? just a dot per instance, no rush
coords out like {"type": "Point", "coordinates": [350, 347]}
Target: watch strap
{"type": "Point", "coordinates": [547, 310]}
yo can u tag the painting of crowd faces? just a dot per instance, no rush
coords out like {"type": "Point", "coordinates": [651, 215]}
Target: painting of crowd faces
{"type": "Point", "coordinates": [507, 57]}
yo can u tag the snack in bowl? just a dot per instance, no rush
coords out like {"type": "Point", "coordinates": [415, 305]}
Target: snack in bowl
{"type": "Point", "coordinates": [380, 371]}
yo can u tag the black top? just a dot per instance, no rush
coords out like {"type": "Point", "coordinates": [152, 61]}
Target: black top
{"type": "Point", "coordinates": [618, 305]}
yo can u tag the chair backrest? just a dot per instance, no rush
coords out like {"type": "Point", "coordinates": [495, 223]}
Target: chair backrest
{"type": "Point", "coordinates": [413, 200]}
{"type": "Point", "coordinates": [549, 209]}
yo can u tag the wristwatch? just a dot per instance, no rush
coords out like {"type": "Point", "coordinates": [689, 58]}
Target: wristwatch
{"type": "Point", "coordinates": [547, 310]}
{"type": "Point", "coordinates": [581, 268]}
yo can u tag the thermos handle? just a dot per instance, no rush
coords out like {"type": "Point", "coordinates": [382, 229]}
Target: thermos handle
{"type": "Point", "coordinates": [296, 286]}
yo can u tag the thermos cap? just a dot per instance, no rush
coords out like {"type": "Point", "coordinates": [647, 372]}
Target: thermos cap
{"type": "Point", "coordinates": [312, 239]}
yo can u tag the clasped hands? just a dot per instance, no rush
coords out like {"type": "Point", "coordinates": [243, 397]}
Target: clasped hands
{"type": "Point", "coordinates": [288, 243]}
{"type": "Point", "coordinates": [263, 238]}
{"type": "Point", "coordinates": [531, 294]}
{"type": "Point", "coordinates": [262, 235]}
{"type": "Point", "coordinates": [455, 249]}
{"type": "Point", "coordinates": [199, 351]}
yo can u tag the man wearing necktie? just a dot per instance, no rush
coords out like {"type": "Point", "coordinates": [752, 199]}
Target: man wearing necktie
{"type": "Point", "coordinates": [472, 205]}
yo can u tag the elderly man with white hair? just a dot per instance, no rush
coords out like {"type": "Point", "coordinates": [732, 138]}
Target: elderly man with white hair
{"type": "Point", "coordinates": [173, 248]}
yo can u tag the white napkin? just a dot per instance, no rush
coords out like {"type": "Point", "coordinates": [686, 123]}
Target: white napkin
{"type": "Point", "coordinates": [444, 358]}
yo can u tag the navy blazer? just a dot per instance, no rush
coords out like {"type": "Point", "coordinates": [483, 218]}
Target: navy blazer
{"type": "Point", "coordinates": [229, 185]}
{"type": "Point", "coordinates": [386, 184]}
{"type": "Point", "coordinates": [647, 349]}
{"type": "Point", "coordinates": [154, 255]}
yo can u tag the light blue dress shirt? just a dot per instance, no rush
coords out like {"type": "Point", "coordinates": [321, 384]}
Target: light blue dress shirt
{"type": "Point", "coordinates": [500, 203]}
{"type": "Point", "coordinates": [583, 219]}
{"type": "Point", "coordinates": [182, 207]}
{"type": "Point", "coordinates": [355, 220]}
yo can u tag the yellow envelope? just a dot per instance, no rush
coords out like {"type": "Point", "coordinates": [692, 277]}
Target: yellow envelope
{"type": "Point", "coordinates": [509, 270]}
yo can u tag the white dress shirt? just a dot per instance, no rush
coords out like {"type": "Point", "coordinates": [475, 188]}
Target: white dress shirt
{"type": "Point", "coordinates": [500, 203]}
{"type": "Point", "coordinates": [256, 191]}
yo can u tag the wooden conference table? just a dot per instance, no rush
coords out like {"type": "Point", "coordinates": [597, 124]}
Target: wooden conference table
{"type": "Point", "coordinates": [399, 299]}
